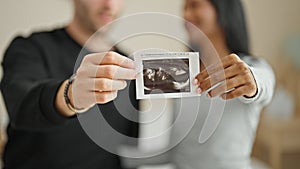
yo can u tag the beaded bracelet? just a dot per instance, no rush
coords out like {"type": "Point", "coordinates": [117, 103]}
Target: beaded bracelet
{"type": "Point", "coordinates": [67, 100]}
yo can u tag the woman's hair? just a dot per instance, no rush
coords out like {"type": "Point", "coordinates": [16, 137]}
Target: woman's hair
{"type": "Point", "coordinates": [232, 20]}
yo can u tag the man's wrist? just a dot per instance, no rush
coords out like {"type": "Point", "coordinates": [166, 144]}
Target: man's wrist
{"type": "Point", "coordinates": [68, 97]}
{"type": "Point", "coordinates": [60, 104]}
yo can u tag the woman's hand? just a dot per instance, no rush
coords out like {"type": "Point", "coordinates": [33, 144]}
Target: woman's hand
{"type": "Point", "coordinates": [234, 76]}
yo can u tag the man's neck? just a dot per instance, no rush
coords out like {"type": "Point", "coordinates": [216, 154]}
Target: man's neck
{"type": "Point", "coordinates": [87, 38]}
{"type": "Point", "coordinates": [78, 32]}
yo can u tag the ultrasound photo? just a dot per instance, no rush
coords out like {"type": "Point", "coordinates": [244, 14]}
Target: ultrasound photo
{"type": "Point", "coordinates": [166, 76]}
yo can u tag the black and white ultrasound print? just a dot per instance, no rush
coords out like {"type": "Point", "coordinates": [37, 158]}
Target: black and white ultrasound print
{"type": "Point", "coordinates": [166, 76]}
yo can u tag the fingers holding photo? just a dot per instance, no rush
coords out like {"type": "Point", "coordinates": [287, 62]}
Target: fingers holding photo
{"type": "Point", "coordinates": [107, 65]}
{"type": "Point", "coordinates": [230, 76]}
{"type": "Point", "coordinates": [109, 58]}
{"type": "Point", "coordinates": [100, 76]}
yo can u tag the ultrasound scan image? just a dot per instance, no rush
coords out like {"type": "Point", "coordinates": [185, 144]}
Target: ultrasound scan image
{"type": "Point", "coordinates": [166, 76]}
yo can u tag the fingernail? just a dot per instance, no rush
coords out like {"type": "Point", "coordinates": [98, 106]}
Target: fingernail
{"type": "Point", "coordinates": [199, 91]}
{"type": "Point", "coordinates": [195, 82]}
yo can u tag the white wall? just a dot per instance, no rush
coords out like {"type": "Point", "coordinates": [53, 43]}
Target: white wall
{"type": "Point", "coordinates": [270, 23]}
{"type": "Point", "coordinates": [24, 16]}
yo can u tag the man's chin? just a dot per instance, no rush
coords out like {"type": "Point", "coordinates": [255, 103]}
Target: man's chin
{"type": "Point", "coordinates": [104, 28]}
{"type": "Point", "coordinates": [105, 25]}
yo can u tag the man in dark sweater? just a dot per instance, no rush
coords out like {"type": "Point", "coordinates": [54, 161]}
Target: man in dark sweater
{"type": "Point", "coordinates": [44, 132]}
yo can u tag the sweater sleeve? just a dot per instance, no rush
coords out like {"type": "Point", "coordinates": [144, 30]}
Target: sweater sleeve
{"type": "Point", "coordinates": [29, 91]}
{"type": "Point", "coordinates": [265, 81]}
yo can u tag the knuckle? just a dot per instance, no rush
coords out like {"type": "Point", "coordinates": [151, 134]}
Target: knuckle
{"type": "Point", "coordinates": [242, 66]}
{"type": "Point", "coordinates": [112, 53]}
{"type": "Point", "coordinates": [100, 84]}
{"type": "Point", "coordinates": [230, 57]}
{"type": "Point", "coordinates": [84, 60]}
{"type": "Point", "coordinates": [234, 57]}
{"type": "Point", "coordinates": [103, 84]}
{"type": "Point", "coordinates": [201, 76]}
{"type": "Point", "coordinates": [110, 56]}
{"type": "Point", "coordinates": [248, 77]}
{"type": "Point", "coordinates": [252, 86]}
{"type": "Point", "coordinates": [81, 72]}
{"type": "Point", "coordinates": [110, 71]}
{"type": "Point", "coordinates": [87, 58]}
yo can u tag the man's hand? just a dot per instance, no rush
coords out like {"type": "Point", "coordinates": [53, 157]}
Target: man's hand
{"type": "Point", "coordinates": [234, 76]}
{"type": "Point", "coordinates": [98, 80]}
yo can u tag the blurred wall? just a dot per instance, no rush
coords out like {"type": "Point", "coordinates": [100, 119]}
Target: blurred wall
{"type": "Point", "coordinates": [270, 23]}
{"type": "Point", "coordinates": [22, 17]}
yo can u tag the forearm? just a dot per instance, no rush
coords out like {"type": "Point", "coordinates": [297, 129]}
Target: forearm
{"type": "Point", "coordinates": [265, 80]}
{"type": "Point", "coordinates": [29, 89]}
{"type": "Point", "coordinates": [31, 106]}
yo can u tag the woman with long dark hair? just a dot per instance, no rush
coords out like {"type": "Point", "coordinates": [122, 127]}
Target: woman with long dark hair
{"type": "Point", "coordinates": [244, 82]}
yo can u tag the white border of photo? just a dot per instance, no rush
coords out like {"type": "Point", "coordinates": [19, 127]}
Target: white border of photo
{"type": "Point", "coordinates": [194, 68]}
